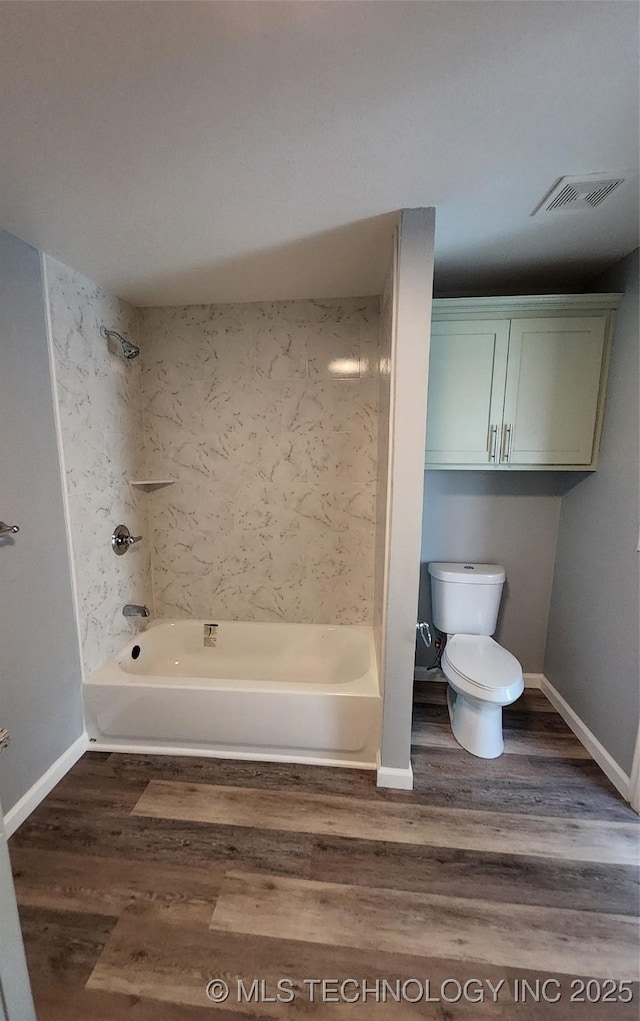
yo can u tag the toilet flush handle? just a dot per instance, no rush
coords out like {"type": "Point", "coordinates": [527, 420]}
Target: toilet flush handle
{"type": "Point", "coordinates": [423, 629]}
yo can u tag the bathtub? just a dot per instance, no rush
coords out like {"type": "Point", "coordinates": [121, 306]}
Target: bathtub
{"type": "Point", "coordinates": [291, 692]}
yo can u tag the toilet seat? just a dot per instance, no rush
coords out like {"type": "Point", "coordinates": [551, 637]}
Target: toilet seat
{"type": "Point", "coordinates": [479, 666]}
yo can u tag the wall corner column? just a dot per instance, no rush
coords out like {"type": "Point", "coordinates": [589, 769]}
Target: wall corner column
{"type": "Point", "coordinates": [411, 335]}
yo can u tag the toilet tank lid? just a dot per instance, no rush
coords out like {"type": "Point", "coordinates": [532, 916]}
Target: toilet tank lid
{"type": "Point", "coordinates": [469, 574]}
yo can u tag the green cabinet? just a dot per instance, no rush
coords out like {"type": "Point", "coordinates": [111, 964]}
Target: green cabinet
{"type": "Point", "coordinates": [518, 382]}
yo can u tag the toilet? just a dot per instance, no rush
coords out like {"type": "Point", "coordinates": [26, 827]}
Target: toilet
{"type": "Point", "coordinates": [483, 677]}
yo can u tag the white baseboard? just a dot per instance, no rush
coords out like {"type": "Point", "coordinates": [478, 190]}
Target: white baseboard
{"type": "Point", "coordinates": [533, 680]}
{"type": "Point", "coordinates": [634, 780]}
{"type": "Point", "coordinates": [598, 752]}
{"type": "Point", "coordinates": [29, 801]}
{"type": "Point", "coordinates": [394, 778]}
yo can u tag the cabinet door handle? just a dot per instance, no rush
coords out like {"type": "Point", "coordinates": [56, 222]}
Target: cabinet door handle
{"type": "Point", "coordinates": [505, 446]}
{"type": "Point", "coordinates": [492, 442]}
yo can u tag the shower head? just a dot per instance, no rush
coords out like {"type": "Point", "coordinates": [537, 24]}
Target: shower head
{"type": "Point", "coordinates": [129, 350]}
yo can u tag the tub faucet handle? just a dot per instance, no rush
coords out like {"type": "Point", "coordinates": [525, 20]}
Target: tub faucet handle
{"type": "Point", "coordinates": [210, 635]}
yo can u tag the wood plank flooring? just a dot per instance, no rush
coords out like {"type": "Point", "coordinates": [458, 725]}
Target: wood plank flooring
{"type": "Point", "coordinates": [583, 840]}
{"type": "Point", "coordinates": [142, 878]}
{"type": "Point", "coordinates": [426, 925]}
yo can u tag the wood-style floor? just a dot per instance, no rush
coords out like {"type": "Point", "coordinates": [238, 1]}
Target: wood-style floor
{"type": "Point", "coordinates": [141, 878]}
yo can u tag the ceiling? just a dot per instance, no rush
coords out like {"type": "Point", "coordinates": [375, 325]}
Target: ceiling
{"type": "Point", "coordinates": [194, 152]}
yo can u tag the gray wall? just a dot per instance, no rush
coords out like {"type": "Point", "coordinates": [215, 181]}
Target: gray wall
{"type": "Point", "coordinates": [592, 651]}
{"type": "Point", "coordinates": [40, 683]}
{"type": "Point", "coordinates": [411, 332]}
{"type": "Point", "coordinates": [508, 518]}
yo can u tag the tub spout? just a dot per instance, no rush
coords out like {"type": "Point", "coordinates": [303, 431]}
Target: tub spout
{"type": "Point", "coordinates": [131, 610]}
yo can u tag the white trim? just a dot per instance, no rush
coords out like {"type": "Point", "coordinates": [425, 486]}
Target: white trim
{"type": "Point", "coordinates": [394, 778]}
{"type": "Point", "coordinates": [432, 466]}
{"type": "Point", "coordinates": [634, 782]}
{"type": "Point", "coordinates": [203, 751]}
{"type": "Point", "coordinates": [598, 752]}
{"type": "Point", "coordinates": [61, 458]}
{"type": "Point", "coordinates": [521, 304]}
{"type": "Point", "coordinates": [30, 801]}
{"type": "Point", "coordinates": [533, 680]}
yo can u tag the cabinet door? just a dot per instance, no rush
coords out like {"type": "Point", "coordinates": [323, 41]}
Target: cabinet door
{"type": "Point", "coordinates": [467, 371]}
{"type": "Point", "coordinates": [553, 385]}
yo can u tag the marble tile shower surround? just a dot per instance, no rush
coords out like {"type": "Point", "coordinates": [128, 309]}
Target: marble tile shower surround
{"type": "Point", "coordinates": [100, 410]}
{"type": "Point", "coordinates": [267, 415]}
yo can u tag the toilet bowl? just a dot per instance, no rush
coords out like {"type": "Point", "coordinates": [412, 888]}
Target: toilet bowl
{"type": "Point", "coordinates": [483, 677]}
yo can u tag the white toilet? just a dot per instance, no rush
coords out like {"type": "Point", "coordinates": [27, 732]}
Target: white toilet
{"type": "Point", "coordinates": [482, 675]}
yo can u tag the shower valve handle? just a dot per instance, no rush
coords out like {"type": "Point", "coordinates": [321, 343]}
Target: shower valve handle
{"type": "Point", "coordinates": [122, 539]}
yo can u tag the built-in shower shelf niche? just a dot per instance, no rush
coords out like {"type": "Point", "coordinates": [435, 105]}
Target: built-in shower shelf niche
{"type": "Point", "coordinates": [150, 485]}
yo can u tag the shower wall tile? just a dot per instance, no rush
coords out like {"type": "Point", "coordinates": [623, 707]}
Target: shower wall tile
{"type": "Point", "coordinates": [267, 416]}
{"type": "Point", "coordinates": [100, 409]}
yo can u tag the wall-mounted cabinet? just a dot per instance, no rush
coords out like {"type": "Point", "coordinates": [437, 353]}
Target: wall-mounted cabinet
{"type": "Point", "coordinates": [518, 383]}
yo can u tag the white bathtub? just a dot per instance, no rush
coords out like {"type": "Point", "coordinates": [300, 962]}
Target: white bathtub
{"type": "Point", "coordinates": [295, 692]}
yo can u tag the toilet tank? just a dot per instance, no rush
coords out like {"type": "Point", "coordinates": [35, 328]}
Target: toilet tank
{"type": "Point", "coordinates": [465, 598]}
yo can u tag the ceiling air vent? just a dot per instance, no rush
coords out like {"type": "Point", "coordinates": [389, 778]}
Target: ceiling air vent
{"type": "Point", "coordinates": [575, 194]}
